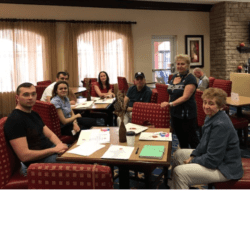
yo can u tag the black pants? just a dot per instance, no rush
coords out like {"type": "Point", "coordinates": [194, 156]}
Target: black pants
{"type": "Point", "coordinates": [185, 130]}
{"type": "Point", "coordinates": [83, 123]}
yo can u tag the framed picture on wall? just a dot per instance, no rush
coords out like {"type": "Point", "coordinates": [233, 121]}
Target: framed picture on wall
{"type": "Point", "coordinates": [195, 49]}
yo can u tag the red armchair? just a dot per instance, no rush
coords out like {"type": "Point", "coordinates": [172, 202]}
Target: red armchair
{"type": "Point", "coordinates": [49, 175]}
{"type": "Point", "coordinates": [154, 96]}
{"type": "Point", "coordinates": [85, 93]}
{"type": "Point", "coordinates": [226, 85]}
{"type": "Point", "coordinates": [48, 113]}
{"type": "Point", "coordinates": [200, 112]}
{"type": "Point", "coordinates": [211, 81]}
{"type": "Point", "coordinates": [243, 183]}
{"type": "Point", "coordinates": [162, 90]}
{"type": "Point", "coordinates": [69, 176]}
{"type": "Point", "coordinates": [45, 83]}
{"type": "Point", "coordinates": [39, 91]}
{"type": "Point", "coordinates": [122, 84]}
{"type": "Point", "coordinates": [151, 112]}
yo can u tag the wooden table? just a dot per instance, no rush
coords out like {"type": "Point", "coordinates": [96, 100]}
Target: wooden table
{"type": "Point", "coordinates": [134, 163]}
{"type": "Point", "coordinates": [243, 101]}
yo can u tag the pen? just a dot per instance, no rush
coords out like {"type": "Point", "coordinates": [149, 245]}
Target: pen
{"type": "Point", "coordinates": [137, 151]}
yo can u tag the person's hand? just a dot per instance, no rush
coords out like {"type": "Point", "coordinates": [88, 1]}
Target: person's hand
{"type": "Point", "coordinates": [78, 115]}
{"type": "Point", "coordinates": [61, 148]}
{"type": "Point", "coordinates": [188, 160]}
{"type": "Point", "coordinates": [76, 127]}
{"type": "Point", "coordinates": [164, 104]}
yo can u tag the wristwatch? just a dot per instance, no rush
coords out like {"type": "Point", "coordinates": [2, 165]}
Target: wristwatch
{"type": "Point", "coordinates": [171, 104]}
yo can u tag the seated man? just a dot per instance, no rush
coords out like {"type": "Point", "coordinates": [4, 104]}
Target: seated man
{"type": "Point", "coordinates": [31, 140]}
{"type": "Point", "coordinates": [203, 81]}
{"type": "Point", "coordinates": [47, 93]}
{"type": "Point", "coordinates": [137, 93]}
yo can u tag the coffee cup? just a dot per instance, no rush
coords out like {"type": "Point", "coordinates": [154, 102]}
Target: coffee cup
{"type": "Point", "coordinates": [130, 135]}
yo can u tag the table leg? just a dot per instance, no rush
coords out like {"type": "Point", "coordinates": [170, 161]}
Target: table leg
{"type": "Point", "coordinates": [239, 111]}
{"type": "Point", "coordinates": [123, 178]}
{"type": "Point", "coordinates": [147, 180]}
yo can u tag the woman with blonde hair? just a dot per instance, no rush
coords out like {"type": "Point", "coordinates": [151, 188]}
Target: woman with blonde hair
{"type": "Point", "coordinates": [182, 103]}
{"type": "Point", "coordinates": [217, 158]}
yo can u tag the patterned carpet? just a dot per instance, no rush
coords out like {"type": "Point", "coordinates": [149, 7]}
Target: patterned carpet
{"type": "Point", "coordinates": [245, 153]}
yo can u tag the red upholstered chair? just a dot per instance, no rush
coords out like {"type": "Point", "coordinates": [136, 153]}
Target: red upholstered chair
{"type": "Point", "coordinates": [200, 112]}
{"type": "Point", "coordinates": [151, 112]}
{"type": "Point", "coordinates": [170, 77]}
{"type": "Point", "coordinates": [49, 115]}
{"type": "Point", "coordinates": [69, 176]}
{"type": "Point", "coordinates": [226, 85]}
{"type": "Point", "coordinates": [84, 94]}
{"type": "Point", "coordinates": [10, 177]}
{"type": "Point", "coordinates": [211, 81]}
{"type": "Point", "coordinates": [122, 84]}
{"type": "Point", "coordinates": [45, 83]}
{"type": "Point", "coordinates": [162, 90]}
{"type": "Point", "coordinates": [243, 183]}
{"type": "Point", "coordinates": [154, 96]}
{"type": "Point", "coordinates": [39, 91]}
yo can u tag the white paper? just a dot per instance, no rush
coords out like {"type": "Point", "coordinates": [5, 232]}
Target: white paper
{"type": "Point", "coordinates": [94, 135]}
{"type": "Point", "coordinates": [157, 136]}
{"type": "Point", "coordinates": [86, 148]}
{"type": "Point", "coordinates": [135, 128]}
{"type": "Point", "coordinates": [106, 100]}
{"type": "Point", "coordinates": [118, 152]}
{"type": "Point", "coordinates": [84, 104]}
{"type": "Point", "coordinates": [234, 97]}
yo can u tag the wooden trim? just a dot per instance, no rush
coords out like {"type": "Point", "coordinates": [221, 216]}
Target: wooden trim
{"type": "Point", "coordinates": [118, 4]}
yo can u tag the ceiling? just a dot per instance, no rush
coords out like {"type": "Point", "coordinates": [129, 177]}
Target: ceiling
{"type": "Point", "coordinates": [171, 5]}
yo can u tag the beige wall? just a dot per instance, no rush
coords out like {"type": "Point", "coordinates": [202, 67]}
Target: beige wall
{"type": "Point", "coordinates": [149, 23]}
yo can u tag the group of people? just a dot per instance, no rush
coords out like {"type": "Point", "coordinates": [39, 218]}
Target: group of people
{"type": "Point", "coordinates": [214, 158]}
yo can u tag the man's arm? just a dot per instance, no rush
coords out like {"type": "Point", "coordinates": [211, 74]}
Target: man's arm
{"type": "Point", "coordinates": [126, 100]}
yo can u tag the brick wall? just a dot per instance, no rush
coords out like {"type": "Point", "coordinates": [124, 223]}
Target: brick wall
{"type": "Point", "coordinates": [228, 28]}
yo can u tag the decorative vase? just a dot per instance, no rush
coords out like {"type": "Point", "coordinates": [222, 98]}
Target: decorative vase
{"type": "Point", "coordinates": [88, 95]}
{"type": "Point", "coordinates": [122, 132]}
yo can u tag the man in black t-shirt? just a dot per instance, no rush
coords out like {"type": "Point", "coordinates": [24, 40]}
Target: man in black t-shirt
{"type": "Point", "coordinates": [30, 138]}
{"type": "Point", "coordinates": [137, 93]}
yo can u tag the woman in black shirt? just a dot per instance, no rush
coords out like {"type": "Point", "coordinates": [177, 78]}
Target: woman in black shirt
{"type": "Point", "coordinates": [183, 110]}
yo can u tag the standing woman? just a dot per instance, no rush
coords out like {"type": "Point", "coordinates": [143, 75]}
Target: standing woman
{"type": "Point", "coordinates": [104, 89]}
{"type": "Point", "coordinates": [182, 103]}
{"type": "Point", "coordinates": [69, 121]}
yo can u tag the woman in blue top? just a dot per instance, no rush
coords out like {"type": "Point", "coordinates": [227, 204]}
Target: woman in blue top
{"type": "Point", "coordinates": [71, 124]}
{"type": "Point", "coordinates": [183, 110]}
{"type": "Point", "coordinates": [217, 158]}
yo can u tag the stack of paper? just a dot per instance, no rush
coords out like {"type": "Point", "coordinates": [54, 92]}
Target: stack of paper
{"type": "Point", "coordinates": [86, 148]}
{"type": "Point", "coordinates": [118, 152]}
{"type": "Point", "coordinates": [96, 136]}
{"type": "Point", "coordinates": [135, 127]}
{"type": "Point", "coordinates": [84, 105]}
{"type": "Point", "coordinates": [106, 100]}
{"type": "Point", "coordinates": [157, 136]}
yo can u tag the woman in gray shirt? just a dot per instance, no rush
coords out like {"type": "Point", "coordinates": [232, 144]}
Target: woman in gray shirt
{"type": "Point", "coordinates": [217, 157]}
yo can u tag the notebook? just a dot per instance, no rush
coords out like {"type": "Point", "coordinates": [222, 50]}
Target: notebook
{"type": "Point", "coordinates": [136, 128]}
{"type": "Point", "coordinates": [152, 152]}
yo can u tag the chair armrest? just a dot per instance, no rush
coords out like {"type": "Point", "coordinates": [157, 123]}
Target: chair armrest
{"type": "Point", "coordinates": [69, 176]}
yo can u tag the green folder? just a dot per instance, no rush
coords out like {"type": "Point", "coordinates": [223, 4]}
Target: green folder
{"type": "Point", "coordinates": [152, 152]}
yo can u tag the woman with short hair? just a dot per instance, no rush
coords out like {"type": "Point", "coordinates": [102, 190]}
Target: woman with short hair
{"type": "Point", "coordinates": [182, 103]}
{"type": "Point", "coordinates": [217, 158]}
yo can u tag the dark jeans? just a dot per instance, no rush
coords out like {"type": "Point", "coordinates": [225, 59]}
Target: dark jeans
{"type": "Point", "coordinates": [185, 130]}
{"type": "Point", "coordinates": [83, 122]}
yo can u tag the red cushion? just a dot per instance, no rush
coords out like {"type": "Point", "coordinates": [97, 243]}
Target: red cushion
{"type": "Point", "coordinates": [122, 84]}
{"type": "Point", "coordinates": [238, 122]}
{"type": "Point", "coordinates": [44, 83]}
{"type": "Point", "coordinates": [226, 85]}
{"type": "Point", "coordinates": [69, 176]}
{"type": "Point", "coordinates": [17, 181]}
{"type": "Point", "coordinates": [200, 112]}
{"type": "Point", "coordinates": [154, 96]}
{"type": "Point", "coordinates": [243, 183]}
{"type": "Point", "coordinates": [211, 81]}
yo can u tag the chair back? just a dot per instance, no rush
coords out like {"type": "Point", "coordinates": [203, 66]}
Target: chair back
{"type": "Point", "coordinates": [211, 81]}
{"type": "Point", "coordinates": [170, 77]}
{"type": "Point", "coordinates": [45, 83]}
{"type": "Point", "coordinates": [154, 96]}
{"type": "Point", "coordinates": [122, 84]}
{"type": "Point", "coordinates": [151, 112]}
{"type": "Point", "coordinates": [9, 163]}
{"type": "Point", "coordinates": [162, 90]}
{"type": "Point", "coordinates": [226, 85]}
{"type": "Point", "coordinates": [48, 113]}
{"type": "Point", "coordinates": [85, 93]}
{"type": "Point", "coordinates": [39, 91]}
{"type": "Point", "coordinates": [200, 112]}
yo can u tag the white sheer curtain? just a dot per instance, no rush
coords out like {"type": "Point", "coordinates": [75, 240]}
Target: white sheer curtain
{"type": "Point", "coordinates": [26, 49]}
{"type": "Point", "coordinates": [100, 46]}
